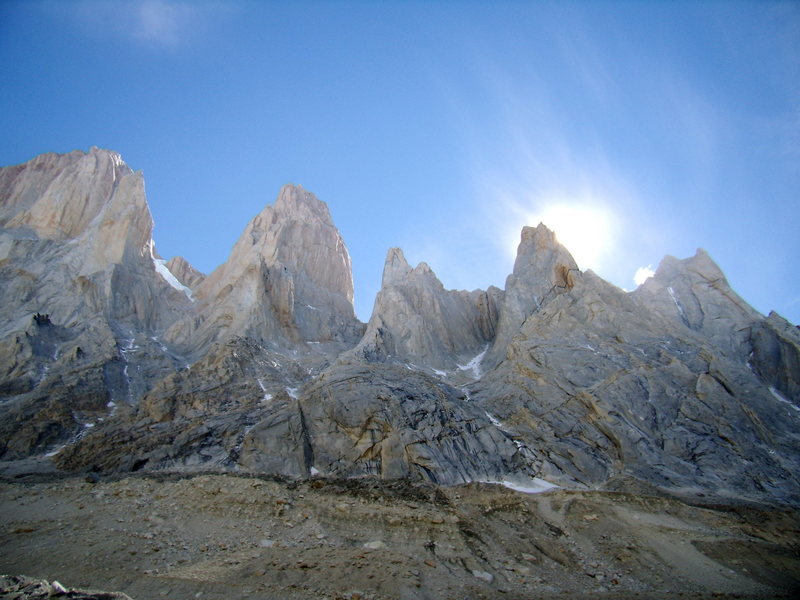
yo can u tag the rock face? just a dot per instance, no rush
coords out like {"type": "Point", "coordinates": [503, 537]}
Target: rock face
{"type": "Point", "coordinates": [606, 389]}
{"type": "Point", "coordinates": [76, 251]}
{"type": "Point", "coordinates": [287, 281]}
{"type": "Point", "coordinates": [185, 273]}
{"type": "Point", "coordinates": [25, 588]}
{"type": "Point", "coordinates": [417, 321]}
{"type": "Point", "coordinates": [543, 269]}
{"type": "Point", "coordinates": [113, 359]}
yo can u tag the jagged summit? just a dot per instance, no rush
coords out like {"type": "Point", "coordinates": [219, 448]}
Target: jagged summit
{"type": "Point", "coordinates": [295, 202]}
{"type": "Point", "coordinates": [288, 278]}
{"type": "Point", "coordinates": [418, 322]}
{"type": "Point", "coordinates": [113, 359]}
{"type": "Point", "coordinates": [396, 267]}
{"type": "Point", "coordinates": [58, 195]}
{"type": "Point", "coordinates": [543, 269]}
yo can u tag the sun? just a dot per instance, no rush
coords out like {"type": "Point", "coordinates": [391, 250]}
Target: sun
{"type": "Point", "coordinates": [585, 229]}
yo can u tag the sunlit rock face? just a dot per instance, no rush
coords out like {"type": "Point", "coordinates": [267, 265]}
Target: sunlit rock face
{"type": "Point", "coordinates": [114, 359]}
{"type": "Point", "coordinates": [184, 272]}
{"type": "Point", "coordinates": [288, 281]}
{"type": "Point", "coordinates": [75, 249]}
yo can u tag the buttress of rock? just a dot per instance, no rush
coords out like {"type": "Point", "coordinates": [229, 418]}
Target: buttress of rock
{"type": "Point", "coordinates": [543, 269]}
{"type": "Point", "coordinates": [288, 280]}
{"type": "Point", "coordinates": [417, 321]}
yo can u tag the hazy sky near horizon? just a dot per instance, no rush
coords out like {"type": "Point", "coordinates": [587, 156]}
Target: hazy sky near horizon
{"type": "Point", "coordinates": [634, 129]}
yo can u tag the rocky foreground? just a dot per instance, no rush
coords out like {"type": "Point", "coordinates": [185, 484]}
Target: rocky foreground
{"type": "Point", "coordinates": [222, 536]}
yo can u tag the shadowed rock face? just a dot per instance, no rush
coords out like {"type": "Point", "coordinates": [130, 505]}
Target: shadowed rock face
{"type": "Point", "coordinates": [543, 269]}
{"type": "Point", "coordinates": [115, 360]}
{"type": "Point", "coordinates": [416, 321]}
{"type": "Point", "coordinates": [603, 387]}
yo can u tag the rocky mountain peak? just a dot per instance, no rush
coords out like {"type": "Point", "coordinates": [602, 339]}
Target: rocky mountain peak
{"type": "Point", "coordinates": [695, 293]}
{"type": "Point", "coordinates": [543, 269]}
{"type": "Point", "coordinates": [296, 203]}
{"type": "Point", "coordinates": [539, 254]}
{"type": "Point", "coordinates": [287, 278]}
{"type": "Point", "coordinates": [417, 321]}
{"type": "Point", "coordinates": [59, 195]}
{"type": "Point", "coordinates": [396, 267]}
{"type": "Point", "coordinates": [701, 265]}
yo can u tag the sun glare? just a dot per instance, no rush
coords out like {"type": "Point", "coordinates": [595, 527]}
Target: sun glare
{"type": "Point", "coordinates": [586, 230]}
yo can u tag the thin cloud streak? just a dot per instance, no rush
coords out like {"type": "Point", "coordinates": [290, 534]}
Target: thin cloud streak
{"type": "Point", "coordinates": [164, 23]}
{"type": "Point", "coordinates": [151, 24]}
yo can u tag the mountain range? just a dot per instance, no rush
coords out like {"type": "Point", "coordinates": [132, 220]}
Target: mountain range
{"type": "Point", "coordinates": [113, 359]}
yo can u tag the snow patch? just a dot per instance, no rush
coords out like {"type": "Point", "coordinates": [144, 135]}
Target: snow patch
{"type": "Point", "coordinates": [440, 373]}
{"type": "Point", "coordinates": [313, 471]}
{"type": "Point", "coordinates": [526, 485]}
{"type": "Point", "coordinates": [782, 398]}
{"type": "Point", "coordinates": [474, 365]}
{"type": "Point", "coordinates": [161, 267]}
{"type": "Point", "coordinates": [535, 486]}
{"type": "Point", "coordinates": [292, 392]}
{"type": "Point", "coordinates": [494, 420]}
{"type": "Point", "coordinates": [267, 396]}
{"type": "Point", "coordinates": [675, 300]}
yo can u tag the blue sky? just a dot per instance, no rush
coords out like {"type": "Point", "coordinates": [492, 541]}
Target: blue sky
{"type": "Point", "coordinates": [635, 129]}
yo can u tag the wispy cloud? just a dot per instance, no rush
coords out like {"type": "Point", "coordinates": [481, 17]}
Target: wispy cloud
{"type": "Point", "coordinates": [152, 24]}
{"type": "Point", "coordinates": [162, 22]}
{"type": "Point", "coordinates": [586, 136]}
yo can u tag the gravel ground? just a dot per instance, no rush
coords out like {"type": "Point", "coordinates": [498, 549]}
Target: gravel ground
{"type": "Point", "coordinates": [214, 536]}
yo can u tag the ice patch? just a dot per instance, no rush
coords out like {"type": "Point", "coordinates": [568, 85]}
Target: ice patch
{"type": "Point", "coordinates": [267, 396]}
{"type": "Point", "coordinates": [475, 364]}
{"type": "Point", "coordinates": [535, 486]}
{"type": "Point", "coordinates": [531, 485]}
{"type": "Point", "coordinates": [675, 300]}
{"type": "Point", "coordinates": [781, 398]}
{"type": "Point", "coordinates": [494, 420]}
{"type": "Point", "coordinates": [161, 267]}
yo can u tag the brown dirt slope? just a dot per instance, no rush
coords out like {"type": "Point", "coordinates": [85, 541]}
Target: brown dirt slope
{"type": "Point", "coordinates": [216, 536]}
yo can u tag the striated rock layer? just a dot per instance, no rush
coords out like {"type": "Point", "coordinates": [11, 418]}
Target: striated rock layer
{"type": "Point", "coordinates": [113, 359]}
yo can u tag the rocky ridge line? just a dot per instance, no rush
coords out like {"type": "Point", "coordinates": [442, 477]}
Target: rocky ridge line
{"type": "Point", "coordinates": [677, 387]}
